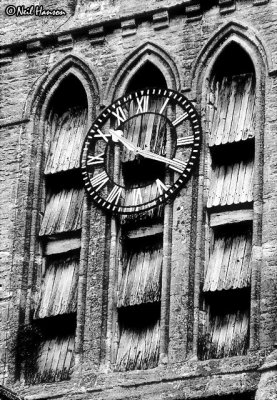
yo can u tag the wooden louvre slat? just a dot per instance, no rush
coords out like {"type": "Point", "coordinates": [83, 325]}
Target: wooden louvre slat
{"type": "Point", "coordinates": [140, 282]}
{"type": "Point", "coordinates": [147, 129]}
{"type": "Point", "coordinates": [148, 193]}
{"type": "Point", "coordinates": [228, 334]}
{"type": "Point", "coordinates": [55, 359]}
{"type": "Point", "coordinates": [230, 109]}
{"type": "Point", "coordinates": [138, 348]}
{"type": "Point", "coordinates": [231, 184]}
{"type": "Point", "coordinates": [59, 289]}
{"type": "Point", "coordinates": [66, 137]}
{"type": "Point", "coordinates": [229, 263]}
{"type": "Point", "coordinates": [63, 212]}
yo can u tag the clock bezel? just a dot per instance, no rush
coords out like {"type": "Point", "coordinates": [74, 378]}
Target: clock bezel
{"type": "Point", "coordinates": [180, 100]}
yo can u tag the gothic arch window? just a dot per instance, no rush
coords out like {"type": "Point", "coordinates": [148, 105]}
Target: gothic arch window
{"type": "Point", "coordinates": [141, 254]}
{"type": "Point", "coordinates": [230, 158]}
{"type": "Point", "coordinates": [53, 316]}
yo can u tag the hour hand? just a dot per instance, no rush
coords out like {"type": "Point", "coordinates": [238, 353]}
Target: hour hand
{"type": "Point", "coordinates": [117, 136]}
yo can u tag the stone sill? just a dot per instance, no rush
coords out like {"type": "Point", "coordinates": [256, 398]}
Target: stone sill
{"type": "Point", "coordinates": [190, 372]}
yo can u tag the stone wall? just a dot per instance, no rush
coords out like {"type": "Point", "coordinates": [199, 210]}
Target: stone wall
{"type": "Point", "coordinates": [107, 36]}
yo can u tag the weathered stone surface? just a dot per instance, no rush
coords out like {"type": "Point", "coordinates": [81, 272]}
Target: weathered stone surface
{"type": "Point", "coordinates": [106, 34]}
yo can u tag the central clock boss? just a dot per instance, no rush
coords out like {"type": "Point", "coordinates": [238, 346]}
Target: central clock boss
{"type": "Point", "coordinates": [141, 150]}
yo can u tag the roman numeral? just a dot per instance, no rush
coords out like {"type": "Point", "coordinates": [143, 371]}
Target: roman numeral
{"type": "Point", "coordinates": [102, 135]}
{"type": "Point", "coordinates": [99, 181]}
{"type": "Point", "coordinates": [178, 120]}
{"type": "Point", "coordinates": [185, 141]}
{"type": "Point", "coordinates": [119, 114]}
{"type": "Point", "coordinates": [161, 186]}
{"type": "Point", "coordinates": [93, 160]}
{"type": "Point", "coordinates": [143, 104]}
{"type": "Point", "coordinates": [114, 195]}
{"type": "Point", "coordinates": [137, 196]}
{"type": "Point", "coordinates": [178, 166]}
{"type": "Point", "coordinates": [164, 105]}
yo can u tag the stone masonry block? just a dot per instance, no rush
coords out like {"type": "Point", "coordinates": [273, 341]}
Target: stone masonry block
{"type": "Point", "coordinates": [97, 35]}
{"type": "Point", "coordinates": [193, 12]}
{"type": "Point", "coordinates": [161, 20]}
{"type": "Point", "coordinates": [260, 2]}
{"type": "Point", "coordinates": [129, 27]}
{"type": "Point", "coordinates": [227, 6]}
{"type": "Point", "coordinates": [5, 56]}
{"type": "Point", "coordinates": [65, 42]}
{"type": "Point", "coordinates": [34, 46]}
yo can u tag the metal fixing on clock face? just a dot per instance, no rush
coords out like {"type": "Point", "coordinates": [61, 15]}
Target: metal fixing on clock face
{"type": "Point", "coordinates": [140, 151]}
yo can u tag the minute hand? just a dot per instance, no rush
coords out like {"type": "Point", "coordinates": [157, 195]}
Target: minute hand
{"type": "Point", "coordinates": [175, 164]}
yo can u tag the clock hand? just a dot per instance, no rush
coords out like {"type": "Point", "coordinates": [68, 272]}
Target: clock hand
{"type": "Point", "coordinates": [175, 164]}
{"type": "Point", "coordinates": [117, 136]}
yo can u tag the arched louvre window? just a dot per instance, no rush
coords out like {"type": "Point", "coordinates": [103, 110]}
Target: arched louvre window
{"type": "Point", "coordinates": [140, 269]}
{"type": "Point", "coordinates": [230, 168]}
{"type": "Point", "coordinates": [60, 232]}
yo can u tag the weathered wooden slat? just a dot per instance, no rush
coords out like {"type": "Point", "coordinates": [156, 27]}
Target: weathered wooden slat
{"type": "Point", "coordinates": [232, 180]}
{"type": "Point", "coordinates": [138, 348]}
{"type": "Point", "coordinates": [55, 358]}
{"type": "Point", "coordinates": [228, 334]}
{"type": "Point", "coordinates": [59, 288]}
{"type": "Point", "coordinates": [230, 112]}
{"type": "Point", "coordinates": [226, 186]}
{"type": "Point", "coordinates": [215, 122]}
{"type": "Point", "coordinates": [240, 183]}
{"type": "Point", "coordinates": [247, 191]}
{"type": "Point", "coordinates": [223, 113]}
{"type": "Point", "coordinates": [62, 356]}
{"type": "Point", "coordinates": [66, 137]}
{"type": "Point", "coordinates": [62, 246]}
{"type": "Point", "coordinates": [148, 193]}
{"type": "Point", "coordinates": [232, 116]}
{"type": "Point", "coordinates": [243, 110]}
{"type": "Point", "coordinates": [141, 232]}
{"type": "Point", "coordinates": [248, 130]}
{"type": "Point", "coordinates": [231, 184]}
{"type": "Point", "coordinates": [62, 212]}
{"type": "Point", "coordinates": [230, 217]}
{"type": "Point", "coordinates": [140, 282]}
{"type": "Point", "coordinates": [229, 263]}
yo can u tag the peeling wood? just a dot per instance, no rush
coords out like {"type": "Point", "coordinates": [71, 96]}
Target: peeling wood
{"type": "Point", "coordinates": [141, 278]}
{"type": "Point", "coordinates": [63, 211]}
{"type": "Point", "coordinates": [229, 264]}
{"type": "Point", "coordinates": [231, 109]}
{"type": "Point", "coordinates": [55, 359]}
{"type": "Point", "coordinates": [138, 349]}
{"type": "Point", "coordinates": [231, 184]}
{"type": "Point", "coordinates": [66, 139]}
{"type": "Point", "coordinates": [59, 289]}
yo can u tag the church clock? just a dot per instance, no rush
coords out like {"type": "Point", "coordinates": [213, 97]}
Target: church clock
{"type": "Point", "coordinates": [141, 150]}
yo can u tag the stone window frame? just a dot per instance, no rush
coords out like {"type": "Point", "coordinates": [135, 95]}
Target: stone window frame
{"type": "Point", "coordinates": [116, 87]}
{"type": "Point", "coordinates": [232, 32]}
{"type": "Point", "coordinates": [36, 110]}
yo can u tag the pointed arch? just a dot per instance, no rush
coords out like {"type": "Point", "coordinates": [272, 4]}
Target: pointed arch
{"type": "Point", "coordinates": [148, 52]}
{"type": "Point", "coordinates": [42, 91]}
{"type": "Point", "coordinates": [231, 32]}
{"type": "Point", "coordinates": [238, 34]}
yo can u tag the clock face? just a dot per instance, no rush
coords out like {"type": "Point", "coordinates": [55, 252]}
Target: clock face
{"type": "Point", "coordinates": [140, 151]}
